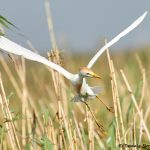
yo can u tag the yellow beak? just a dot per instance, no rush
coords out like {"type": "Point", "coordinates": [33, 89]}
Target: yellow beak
{"type": "Point", "coordinates": [96, 76]}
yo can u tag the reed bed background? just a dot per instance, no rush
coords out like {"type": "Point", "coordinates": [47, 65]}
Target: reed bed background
{"type": "Point", "coordinates": [36, 111]}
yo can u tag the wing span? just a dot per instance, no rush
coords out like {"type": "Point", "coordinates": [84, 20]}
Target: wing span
{"type": "Point", "coordinates": [117, 38]}
{"type": "Point", "coordinates": [12, 47]}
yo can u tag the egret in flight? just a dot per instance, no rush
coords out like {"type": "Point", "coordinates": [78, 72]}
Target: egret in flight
{"type": "Point", "coordinates": [84, 91]}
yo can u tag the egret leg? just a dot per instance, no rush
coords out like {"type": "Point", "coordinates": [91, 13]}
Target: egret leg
{"type": "Point", "coordinates": [96, 121]}
{"type": "Point", "coordinates": [107, 107]}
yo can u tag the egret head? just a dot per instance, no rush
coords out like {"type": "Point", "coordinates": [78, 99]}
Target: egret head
{"type": "Point", "coordinates": [86, 72]}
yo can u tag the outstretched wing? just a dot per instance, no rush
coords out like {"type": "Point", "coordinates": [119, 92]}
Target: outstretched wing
{"type": "Point", "coordinates": [114, 40]}
{"type": "Point", "coordinates": [12, 47]}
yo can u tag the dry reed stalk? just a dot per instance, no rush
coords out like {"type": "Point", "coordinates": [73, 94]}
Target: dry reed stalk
{"type": "Point", "coordinates": [66, 124]}
{"type": "Point", "coordinates": [56, 77]}
{"type": "Point", "coordinates": [80, 108]}
{"type": "Point", "coordinates": [141, 130]}
{"type": "Point", "coordinates": [143, 73]}
{"type": "Point", "coordinates": [118, 103]}
{"type": "Point", "coordinates": [127, 132]}
{"type": "Point", "coordinates": [10, 125]}
{"type": "Point", "coordinates": [32, 105]}
{"type": "Point", "coordinates": [94, 117]}
{"type": "Point", "coordinates": [54, 139]}
{"type": "Point", "coordinates": [64, 96]}
{"type": "Point", "coordinates": [134, 131]}
{"type": "Point", "coordinates": [118, 136]}
{"type": "Point", "coordinates": [11, 77]}
{"type": "Point", "coordinates": [147, 113]}
{"type": "Point", "coordinates": [54, 51]}
{"type": "Point", "coordinates": [118, 106]}
{"type": "Point", "coordinates": [24, 101]}
{"type": "Point", "coordinates": [21, 71]}
{"type": "Point", "coordinates": [130, 141]}
{"type": "Point", "coordinates": [97, 138]}
{"type": "Point", "coordinates": [2, 135]}
{"type": "Point", "coordinates": [5, 145]}
{"type": "Point", "coordinates": [75, 142]}
{"type": "Point", "coordinates": [90, 132]}
{"type": "Point", "coordinates": [50, 24]}
{"type": "Point", "coordinates": [78, 132]}
{"type": "Point", "coordinates": [147, 89]}
{"type": "Point", "coordinates": [46, 131]}
{"type": "Point", "coordinates": [135, 103]}
{"type": "Point", "coordinates": [60, 138]}
{"type": "Point", "coordinates": [141, 126]}
{"type": "Point", "coordinates": [70, 128]}
{"type": "Point", "coordinates": [26, 112]}
{"type": "Point", "coordinates": [64, 140]}
{"type": "Point", "coordinates": [59, 84]}
{"type": "Point", "coordinates": [49, 130]}
{"type": "Point", "coordinates": [52, 95]}
{"type": "Point", "coordinates": [17, 88]}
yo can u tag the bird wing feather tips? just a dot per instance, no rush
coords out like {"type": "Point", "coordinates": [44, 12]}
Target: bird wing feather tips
{"type": "Point", "coordinates": [117, 38]}
{"type": "Point", "coordinates": [14, 48]}
{"type": "Point", "coordinates": [96, 90]}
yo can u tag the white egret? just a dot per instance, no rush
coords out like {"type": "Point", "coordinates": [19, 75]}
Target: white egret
{"type": "Point", "coordinates": [84, 91]}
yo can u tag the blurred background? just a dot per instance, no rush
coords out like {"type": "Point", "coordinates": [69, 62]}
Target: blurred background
{"type": "Point", "coordinates": [41, 107]}
{"type": "Point", "coordinates": [79, 25]}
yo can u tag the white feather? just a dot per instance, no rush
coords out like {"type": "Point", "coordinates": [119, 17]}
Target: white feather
{"type": "Point", "coordinates": [114, 40]}
{"type": "Point", "coordinates": [11, 47]}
